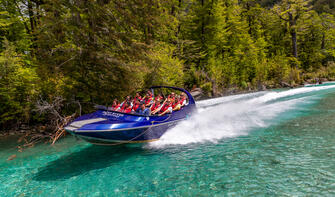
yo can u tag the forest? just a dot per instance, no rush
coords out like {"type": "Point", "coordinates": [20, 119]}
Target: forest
{"type": "Point", "coordinates": [60, 57]}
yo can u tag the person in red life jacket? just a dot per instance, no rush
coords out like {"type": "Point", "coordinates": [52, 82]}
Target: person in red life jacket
{"type": "Point", "coordinates": [126, 107]}
{"type": "Point", "coordinates": [115, 105]}
{"type": "Point", "coordinates": [137, 97]}
{"type": "Point", "coordinates": [148, 100]}
{"type": "Point", "coordinates": [150, 93]}
{"type": "Point", "coordinates": [136, 105]}
{"type": "Point", "coordinates": [128, 99]}
{"type": "Point", "coordinates": [176, 105]}
{"type": "Point", "coordinates": [159, 97]}
{"type": "Point", "coordinates": [166, 108]}
{"type": "Point", "coordinates": [155, 106]}
{"type": "Point", "coordinates": [159, 108]}
{"type": "Point", "coordinates": [182, 100]}
{"type": "Point", "coordinates": [172, 97]}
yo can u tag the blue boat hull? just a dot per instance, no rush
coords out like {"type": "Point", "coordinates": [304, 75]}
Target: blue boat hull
{"type": "Point", "coordinates": [114, 137]}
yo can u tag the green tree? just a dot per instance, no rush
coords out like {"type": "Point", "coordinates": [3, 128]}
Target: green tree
{"type": "Point", "coordinates": [290, 11]}
{"type": "Point", "coordinates": [18, 87]}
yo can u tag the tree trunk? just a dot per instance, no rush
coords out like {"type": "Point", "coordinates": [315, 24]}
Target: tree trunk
{"type": "Point", "coordinates": [31, 16]}
{"type": "Point", "coordinates": [293, 32]}
{"type": "Point", "coordinates": [214, 88]}
{"type": "Point", "coordinates": [323, 43]}
{"type": "Point", "coordinates": [294, 43]}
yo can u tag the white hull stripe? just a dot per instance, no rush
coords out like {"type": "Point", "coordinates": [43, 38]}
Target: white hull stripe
{"type": "Point", "coordinates": [115, 141]}
{"type": "Point", "coordinates": [107, 130]}
{"type": "Point", "coordinates": [81, 123]}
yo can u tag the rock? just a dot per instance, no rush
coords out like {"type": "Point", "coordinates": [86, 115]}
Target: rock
{"type": "Point", "coordinates": [11, 157]}
{"type": "Point", "coordinates": [261, 87]}
{"type": "Point", "coordinates": [197, 93]}
{"type": "Point", "coordinates": [285, 85]}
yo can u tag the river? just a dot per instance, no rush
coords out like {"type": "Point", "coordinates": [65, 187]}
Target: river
{"type": "Point", "coordinates": [271, 143]}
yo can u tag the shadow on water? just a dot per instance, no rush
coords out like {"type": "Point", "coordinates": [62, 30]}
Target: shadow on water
{"type": "Point", "coordinates": [91, 158]}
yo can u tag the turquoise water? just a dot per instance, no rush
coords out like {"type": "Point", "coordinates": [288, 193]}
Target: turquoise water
{"type": "Point", "coordinates": [262, 144]}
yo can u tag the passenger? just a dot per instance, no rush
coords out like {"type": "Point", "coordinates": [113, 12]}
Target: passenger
{"type": "Point", "coordinates": [137, 97]}
{"type": "Point", "coordinates": [127, 108]}
{"type": "Point", "coordinates": [159, 97]}
{"type": "Point", "coordinates": [150, 93]}
{"type": "Point", "coordinates": [172, 97]}
{"type": "Point", "coordinates": [142, 110]}
{"type": "Point", "coordinates": [176, 104]}
{"type": "Point", "coordinates": [136, 105]}
{"type": "Point", "coordinates": [159, 108]}
{"type": "Point", "coordinates": [166, 108]}
{"type": "Point", "coordinates": [128, 99]}
{"type": "Point", "coordinates": [115, 105]}
{"type": "Point", "coordinates": [182, 100]}
{"type": "Point", "coordinates": [148, 99]}
{"type": "Point", "coordinates": [156, 105]}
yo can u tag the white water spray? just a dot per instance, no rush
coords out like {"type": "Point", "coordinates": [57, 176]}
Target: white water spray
{"type": "Point", "coordinates": [233, 116]}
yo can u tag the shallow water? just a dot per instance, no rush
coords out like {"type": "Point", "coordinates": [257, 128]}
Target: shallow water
{"type": "Point", "coordinates": [272, 143]}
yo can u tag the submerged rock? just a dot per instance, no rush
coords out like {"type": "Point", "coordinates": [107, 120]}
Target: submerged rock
{"type": "Point", "coordinates": [11, 157]}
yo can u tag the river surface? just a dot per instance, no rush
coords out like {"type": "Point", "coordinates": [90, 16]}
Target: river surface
{"type": "Point", "coordinates": [271, 143]}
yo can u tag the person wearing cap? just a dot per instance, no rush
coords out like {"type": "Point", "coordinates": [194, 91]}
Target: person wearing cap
{"type": "Point", "coordinates": [142, 110]}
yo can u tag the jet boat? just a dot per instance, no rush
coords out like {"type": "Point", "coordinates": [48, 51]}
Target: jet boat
{"type": "Point", "coordinates": [108, 127]}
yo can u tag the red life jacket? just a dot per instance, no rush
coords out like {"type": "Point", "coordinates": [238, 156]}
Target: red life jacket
{"type": "Point", "coordinates": [182, 101]}
{"type": "Point", "coordinates": [165, 107]}
{"type": "Point", "coordinates": [172, 99]}
{"type": "Point", "coordinates": [115, 107]}
{"type": "Point", "coordinates": [154, 106]}
{"type": "Point", "coordinates": [174, 105]}
{"type": "Point", "coordinates": [123, 104]}
{"type": "Point", "coordinates": [135, 107]}
{"type": "Point", "coordinates": [128, 110]}
{"type": "Point", "coordinates": [137, 98]}
{"type": "Point", "coordinates": [159, 98]}
{"type": "Point", "coordinates": [147, 100]}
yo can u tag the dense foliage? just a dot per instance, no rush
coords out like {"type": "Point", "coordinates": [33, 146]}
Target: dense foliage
{"type": "Point", "coordinates": [93, 51]}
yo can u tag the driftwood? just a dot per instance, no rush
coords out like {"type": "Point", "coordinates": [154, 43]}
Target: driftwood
{"type": "Point", "coordinates": [54, 129]}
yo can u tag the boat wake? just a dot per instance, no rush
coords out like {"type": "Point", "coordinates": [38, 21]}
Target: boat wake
{"type": "Point", "coordinates": [237, 115]}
